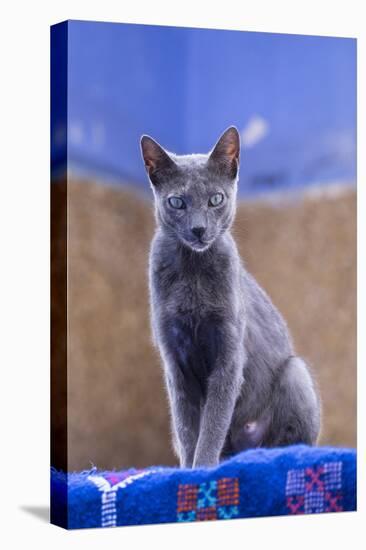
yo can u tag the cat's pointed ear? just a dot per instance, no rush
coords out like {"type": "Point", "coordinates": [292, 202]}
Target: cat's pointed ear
{"type": "Point", "coordinates": [157, 161]}
{"type": "Point", "coordinates": [225, 155]}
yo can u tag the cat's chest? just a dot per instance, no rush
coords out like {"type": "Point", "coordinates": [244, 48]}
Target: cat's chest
{"type": "Point", "coordinates": [190, 304]}
{"type": "Point", "coordinates": [196, 291]}
{"type": "Point", "coordinates": [194, 343]}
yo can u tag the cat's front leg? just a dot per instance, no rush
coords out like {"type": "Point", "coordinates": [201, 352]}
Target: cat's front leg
{"type": "Point", "coordinates": [185, 417]}
{"type": "Point", "coordinates": [223, 389]}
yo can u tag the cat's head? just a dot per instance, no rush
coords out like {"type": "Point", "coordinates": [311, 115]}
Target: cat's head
{"type": "Point", "coordinates": [195, 195]}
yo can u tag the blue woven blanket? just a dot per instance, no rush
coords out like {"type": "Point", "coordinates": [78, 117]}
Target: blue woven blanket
{"type": "Point", "coordinates": [258, 482]}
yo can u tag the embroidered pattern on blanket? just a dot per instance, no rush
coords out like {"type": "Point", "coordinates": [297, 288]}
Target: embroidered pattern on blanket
{"type": "Point", "coordinates": [315, 489]}
{"type": "Point", "coordinates": [210, 500]}
{"type": "Point", "coordinates": [109, 485]}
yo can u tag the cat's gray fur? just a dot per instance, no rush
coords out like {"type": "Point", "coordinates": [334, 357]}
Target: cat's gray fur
{"type": "Point", "coordinates": [232, 377]}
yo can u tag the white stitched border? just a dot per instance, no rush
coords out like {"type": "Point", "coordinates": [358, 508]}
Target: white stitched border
{"type": "Point", "coordinates": [109, 495]}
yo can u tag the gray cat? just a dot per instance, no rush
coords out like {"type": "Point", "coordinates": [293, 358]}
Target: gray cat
{"type": "Point", "coordinates": [232, 377]}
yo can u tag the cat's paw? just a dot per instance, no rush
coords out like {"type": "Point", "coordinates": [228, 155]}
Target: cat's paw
{"type": "Point", "coordinates": [205, 462]}
{"type": "Point", "coordinates": [186, 463]}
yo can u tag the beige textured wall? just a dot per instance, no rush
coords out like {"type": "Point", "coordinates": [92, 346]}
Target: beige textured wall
{"type": "Point", "coordinates": [303, 253]}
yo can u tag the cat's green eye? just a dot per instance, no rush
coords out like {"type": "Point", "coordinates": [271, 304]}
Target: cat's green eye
{"type": "Point", "coordinates": [216, 199]}
{"type": "Point", "coordinates": [177, 203]}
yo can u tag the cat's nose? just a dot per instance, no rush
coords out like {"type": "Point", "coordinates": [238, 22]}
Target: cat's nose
{"type": "Point", "coordinates": [198, 231]}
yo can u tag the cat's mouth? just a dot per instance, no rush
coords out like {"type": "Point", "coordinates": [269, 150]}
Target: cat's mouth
{"type": "Point", "coordinates": [199, 244]}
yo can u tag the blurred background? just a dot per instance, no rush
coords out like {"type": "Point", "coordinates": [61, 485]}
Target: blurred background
{"type": "Point", "coordinates": [293, 99]}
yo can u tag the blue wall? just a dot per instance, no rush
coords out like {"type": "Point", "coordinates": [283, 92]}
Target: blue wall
{"type": "Point", "coordinates": [295, 94]}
